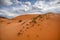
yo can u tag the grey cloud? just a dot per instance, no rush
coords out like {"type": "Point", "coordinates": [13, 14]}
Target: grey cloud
{"type": "Point", "coordinates": [28, 8]}
{"type": "Point", "coordinates": [5, 2]}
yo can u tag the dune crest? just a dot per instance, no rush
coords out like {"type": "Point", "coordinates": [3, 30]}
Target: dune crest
{"type": "Point", "coordinates": [31, 27]}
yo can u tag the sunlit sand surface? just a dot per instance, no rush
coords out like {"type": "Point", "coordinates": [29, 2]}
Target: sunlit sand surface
{"type": "Point", "coordinates": [31, 27]}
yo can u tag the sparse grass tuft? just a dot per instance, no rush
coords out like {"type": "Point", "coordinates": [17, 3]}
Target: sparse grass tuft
{"type": "Point", "coordinates": [19, 33]}
{"type": "Point", "coordinates": [20, 20]}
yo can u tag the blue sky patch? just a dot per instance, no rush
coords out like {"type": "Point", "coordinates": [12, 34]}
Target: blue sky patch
{"type": "Point", "coordinates": [13, 8]}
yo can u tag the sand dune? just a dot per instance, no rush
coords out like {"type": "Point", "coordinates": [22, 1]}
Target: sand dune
{"type": "Point", "coordinates": [31, 27]}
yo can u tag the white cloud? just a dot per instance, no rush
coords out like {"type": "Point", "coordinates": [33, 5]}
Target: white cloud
{"type": "Point", "coordinates": [16, 7]}
{"type": "Point", "coordinates": [7, 14]}
{"type": "Point", "coordinates": [41, 5]}
{"type": "Point", "coordinates": [45, 6]}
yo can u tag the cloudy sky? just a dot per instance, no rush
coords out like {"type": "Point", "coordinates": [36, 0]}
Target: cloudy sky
{"type": "Point", "coordinates": [13, 8]}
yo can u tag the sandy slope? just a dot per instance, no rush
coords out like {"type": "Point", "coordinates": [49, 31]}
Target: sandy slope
{"type": "Point", "coordinates": [31, 27]}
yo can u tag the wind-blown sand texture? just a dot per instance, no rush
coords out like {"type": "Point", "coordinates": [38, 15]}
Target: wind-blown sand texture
{"type": "Point", "coordinates": [31, 27]}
